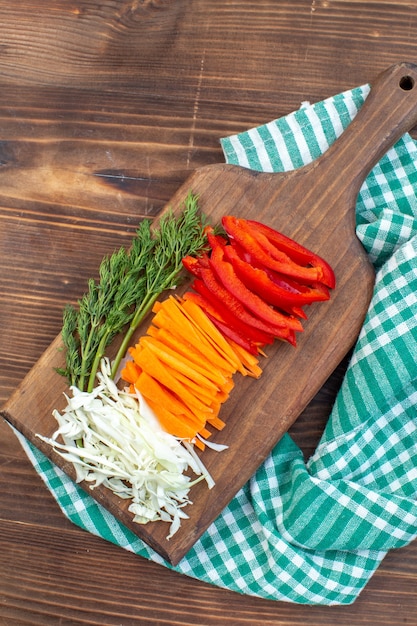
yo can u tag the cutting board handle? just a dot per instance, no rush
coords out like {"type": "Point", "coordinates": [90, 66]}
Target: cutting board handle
{"type": "Point", "coordinates": [389, 111]}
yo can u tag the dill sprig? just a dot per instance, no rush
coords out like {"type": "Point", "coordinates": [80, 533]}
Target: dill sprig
{"type": "Point", "coordinates": [130, 281]}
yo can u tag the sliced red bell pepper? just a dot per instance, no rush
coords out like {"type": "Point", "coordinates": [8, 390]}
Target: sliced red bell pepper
{"type": "Point", "coordinates": [275, 293]}
{"type": "Point", "coordinates": [224, 327]}
{"type": "Point", "coordinates": [212, 304]}
{"type": "Point", "coordinates": [265, 252]}
{"type": "Point", "coordinates": [236, 306]}
{"type": "Point", "coordinates": [213, 239]}
{"type": "Point", "coordinates": [313, 292]}
{"type": "Point", "coordinates": [228, 277]}
{"type": "Point", "coordinates": [295, 251]}
{"type": "Point", "coordinates": [193, 264]}
{"type": "Point", "coordinates": [286, 335]}
{"type": "Point", "coordinates": [232, 334]}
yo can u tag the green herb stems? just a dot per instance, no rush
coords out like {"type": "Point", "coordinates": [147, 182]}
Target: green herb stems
{"type": "Point", "coordinates": [130, 281]}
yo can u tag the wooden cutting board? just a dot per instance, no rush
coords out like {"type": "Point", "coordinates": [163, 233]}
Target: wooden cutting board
{"type": "Point", "coordinates": [315, 205]}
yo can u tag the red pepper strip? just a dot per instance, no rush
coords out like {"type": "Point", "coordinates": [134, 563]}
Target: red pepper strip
{"type": "Point", "coordinates": [314, 292]}
{"type": "Point", "coordinates": [193, 264]}
{"type": "Point", "coordinates": [252, 348]}
{"type": "Point", "coordinates": [296, 251]}
{"type": "Point", "coordinates": [264, 252]}
{"type": "Point", "coordinates": [213, 305]}
{"type": "Point", "coordinates": [214, 240]}
{"type": "Point", "coordinates": [228, 277]}
{"type": "Point", "coordinates": [220, 323]}
{"type": "Point", "coordinates": [236, 306]}
{"type": "Point", "coordinates": [258, 281]}
{"type": "Point", "coordinates": [282, 281]}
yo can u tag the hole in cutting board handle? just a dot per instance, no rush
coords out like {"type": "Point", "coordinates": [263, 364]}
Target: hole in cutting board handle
{"type": "Point", "coordinates": [406, 83]}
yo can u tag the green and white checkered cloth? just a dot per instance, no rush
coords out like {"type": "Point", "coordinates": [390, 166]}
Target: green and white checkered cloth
{"type": "Point", "coordinates": [315, 532]}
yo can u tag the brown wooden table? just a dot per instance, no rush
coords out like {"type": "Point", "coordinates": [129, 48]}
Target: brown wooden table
{"type": "Point", "coordinates": [105, 109]}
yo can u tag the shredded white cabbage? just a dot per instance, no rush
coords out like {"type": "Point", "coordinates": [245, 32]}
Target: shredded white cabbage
{"type": "Point", "coordinates": [114, 439]}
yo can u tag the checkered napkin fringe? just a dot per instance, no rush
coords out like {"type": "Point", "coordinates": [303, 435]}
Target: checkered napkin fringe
{"type": "Point", "coordinates": [315, 532]}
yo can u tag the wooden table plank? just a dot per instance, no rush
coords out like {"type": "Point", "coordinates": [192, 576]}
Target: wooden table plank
{"type": "Point", "coordinates": [149, 87]}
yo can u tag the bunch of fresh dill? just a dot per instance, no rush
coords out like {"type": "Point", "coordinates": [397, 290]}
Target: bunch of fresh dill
{"type": "Point", "coordinates": [130, 281]}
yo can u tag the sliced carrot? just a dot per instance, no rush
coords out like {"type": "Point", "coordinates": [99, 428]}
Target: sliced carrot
{"type": "Point", "coordinates": [174, 424]}
{"type": "Point", "coordinates": [205, 433]}
{"type": "Point", "coordinates": [214, 336]}
{"type": "Point", "coordinates": [228, 386]}
{"type": "Point", "coordinates": [171, 321]}
{"type": "Point", "coordinates": [249, 361]}
{"type": "Point", "coordinates": [178, 362]}
{"type": "Point", "coordinates": [223, 395]}
{"type": "Point", "coordinates": [173, 390]}
{"type": "Point", "coordinates": [181, 319]}
{"type": "Point", "coordinates": [130, 371]}
{"type": "Point", "coordinates": [169, 309]}
{"type": "Point", "coordinates": [198, 321]}
{"type": "Point", "coordinates": [206, 399]}
{"type": "Point", "coordinates": [216, 422]}
{"type": "Point", "coordinates": [184, 368]}
{"type": "Point", "coordinates": [215, 406]}
{"type": "Point", "coordinates": [212, 405]}
{"type": "Point", "coordinates": [199, 444]}
{"type": "Point", "coordinates": [148, 361]}
{"type": "Point", "coordinates": [152, 389]}
{"type": "Point", "coordinates": [157, 306]}
{"type": "Point", "coordinates": [186, 349]}
{"type": "Point", "coordinates": [205, 395]}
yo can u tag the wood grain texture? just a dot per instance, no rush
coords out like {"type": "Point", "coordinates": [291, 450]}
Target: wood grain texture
{"type": "Point", "coordinates": [105, 109]}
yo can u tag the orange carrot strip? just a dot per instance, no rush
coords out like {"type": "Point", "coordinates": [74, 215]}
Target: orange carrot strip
{"type": "Point", "coordinates": [216, 422]}
{"type": "Point", "coordinates": [199, 444]}
{"type": "Point", "coordinates": [130, 372]}
{"type": "Point", "coordinates": [169, 313]}
{"type": "Point", "coordinates": [195, 333]}
{"type": "Point", "coordinates": [163, 407]}
{"type": "Point", "coordinates": [210, 405]}
{"type": "Point", "coordinates": [186, 368]}
{"type": "Point", "coordinates": [173, 424]}
{"type": "Point", "coordinates": [213, 335]}
{"type": "Point", "coordinates": [149, 362]}
{"type": "Point", "coordinates": [154, 390]}
{"type": "Point", "coordinates": [180, 327]}
{"type": "Point", "coordinates": [177, 362]}
{"type": "Point", "coordinates": [216, 406]}
{"type": "Point", "coordinates": [221, 397]}
{"type": "Point", "coordinates": [157, 306]}
{"type": "Point", "coordinates": [211, 400]}
{"type": "Point", "coordinates": [249, 360]}
{"type": "Point", "coordinates": [205, 395]}
{"type": "Point", "coordinates": [228, 386]}
{"type": "Point", "coordinates": [186, 349]}
{"type": "Point", "coordinates": [205, 433]}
